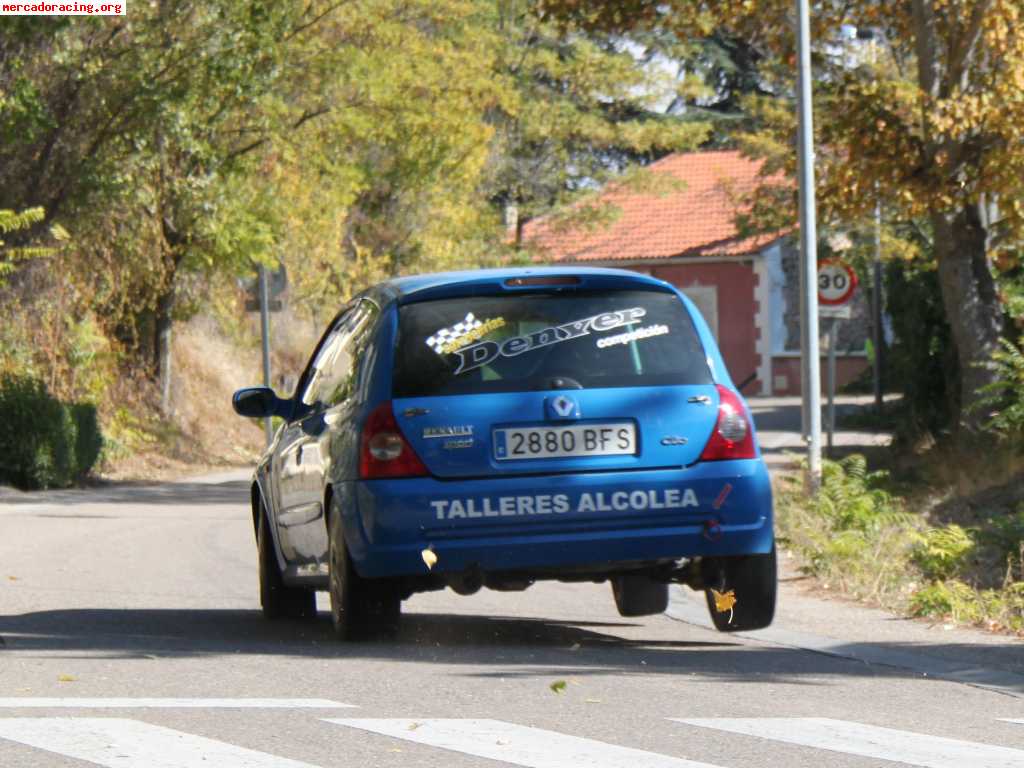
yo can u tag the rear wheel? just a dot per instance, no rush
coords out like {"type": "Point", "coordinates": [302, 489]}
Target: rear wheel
{"type": "Point", "coordinates": [277, 598]}
{"type": "Point", "coordinates": [752, 581]}
{"type": "Point", "coordinates": [361, 609]}
{"type": "Point", "coordinates": [637, 595]}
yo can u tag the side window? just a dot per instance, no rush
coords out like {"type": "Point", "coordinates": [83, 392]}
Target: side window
{"type": "Point", "coordinates": [331, 377]}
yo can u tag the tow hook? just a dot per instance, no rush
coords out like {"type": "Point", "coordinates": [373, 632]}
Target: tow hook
{"type": "Point", "coordinates": [712, 529]}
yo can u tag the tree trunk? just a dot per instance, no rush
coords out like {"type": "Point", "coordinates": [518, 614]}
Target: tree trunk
{"type": "Point", "coordinates": [972, 305]}
{"type": "Point", "coordinates": [162, 347]}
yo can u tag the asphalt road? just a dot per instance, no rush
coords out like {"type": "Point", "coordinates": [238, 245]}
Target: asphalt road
{"type": "Point", "coordinates": [130, 636]}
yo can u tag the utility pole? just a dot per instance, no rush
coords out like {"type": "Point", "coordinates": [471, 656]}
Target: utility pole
{"type": "Point", "coordinates": [809, 347]}
{"type": "Point", "coordinates": [265, 333]}
{"type": "Point", "coordinates": [876, 304]}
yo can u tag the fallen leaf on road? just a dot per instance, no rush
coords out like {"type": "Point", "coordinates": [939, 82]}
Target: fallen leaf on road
{"type": "Point", "coordinates": [592, 701]}
{"type": "Point", "coordinates": [429, 557]}
{"type": "Point", "coordinates": [12, 578]}
{"type": "Point", "coordinates": [558, 686]}
{"type": "Point", "coordinates": [66, 679]}
{"type": "Point", "coordinates": [414, 726]}
{"type": "Point", "coordinates": [724, 601]}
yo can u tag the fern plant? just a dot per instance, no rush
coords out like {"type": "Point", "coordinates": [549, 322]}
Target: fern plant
{"type": "Point", "coordinates": [11, 221]}
{"type": "Point", "coordinates": [941, 553]}
{"type": "Point", "coordinates": [1006, 394]}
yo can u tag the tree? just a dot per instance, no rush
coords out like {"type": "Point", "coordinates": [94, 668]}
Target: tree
{"type": "Point", "coordinates": [583, 107]}
{"type": "Point", "coordinates": [929, 121]}
{"type": "Point", "coordinates": [133, 128]}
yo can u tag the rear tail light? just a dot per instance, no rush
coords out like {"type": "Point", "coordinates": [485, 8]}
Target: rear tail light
{"type": "Point", "coordinates": [733, 437]}
{"type": "Point", "coordinates": [384, 451]}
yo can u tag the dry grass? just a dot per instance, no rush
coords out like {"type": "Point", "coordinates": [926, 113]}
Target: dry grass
{"type": "Point", "coordinates": [203, 432]}
{"type": "Point", "coordinates": [207, 369]}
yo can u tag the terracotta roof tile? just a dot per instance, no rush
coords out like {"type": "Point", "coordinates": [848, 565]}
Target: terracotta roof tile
{"type": "Point", "coordinates": [697, 220]}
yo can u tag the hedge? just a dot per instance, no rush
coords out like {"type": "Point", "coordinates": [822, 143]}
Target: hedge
{"type": "Point", "coordinates": [44, 443]}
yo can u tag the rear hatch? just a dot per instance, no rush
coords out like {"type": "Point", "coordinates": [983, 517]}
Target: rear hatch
{"type": "Point", "coordinates": [552, 382]}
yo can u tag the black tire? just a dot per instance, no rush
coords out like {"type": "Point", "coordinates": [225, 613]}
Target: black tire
{"type": "Point", "coordinates": [279, 601]}
{"type": "Point", "coordinates": [361, 609]}
{"type": "Point", "coordinates": [754, 582]}
{"type": "Point", "coordinates": [637, 595]}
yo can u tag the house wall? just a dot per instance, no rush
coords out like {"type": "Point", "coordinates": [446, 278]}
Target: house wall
{"type": "Point", "coordinates": [786, 373]}
{"type": "Point", "coordinates": [738, 335]}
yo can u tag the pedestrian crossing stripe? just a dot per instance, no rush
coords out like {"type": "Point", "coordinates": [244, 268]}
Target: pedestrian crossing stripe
{"type": "Point", "coordinates": [120, 743]}
{"type": "Point", "coordinates": [516, 744]}
{"type": "Point", "coordinates": [167, 703]}
{"type": "Point", "coordinates": [872, 741]}
{"type": "Point", "coordinates": [126, 743]}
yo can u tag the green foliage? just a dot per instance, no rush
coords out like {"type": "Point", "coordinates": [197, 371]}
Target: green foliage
{"type": "Point", "coordinates": [954, 599]}
{"type": "Point", "coordinates": [921, 360]}
{"type": "Point", "coordinates": [942, 552]}
{"type": "Point", "coordinates": [859, 537]}
{"type": "Point", "coordinates": [853, 533]}
{"type": "Point", "coordinates": [11, 221]}
{"type": "Point", "coordinates": [44, 443]}
{"type": "Point", "coordinates": [852, 498]}
{"type": "Point", "coordinates": [581, 107]}
{"type": "Point", "coordinates": [1006, 394]}
{"type": "Point", "coordinates": [88, 444]}
{"type": "Point", "coordinates": [1002, 540]}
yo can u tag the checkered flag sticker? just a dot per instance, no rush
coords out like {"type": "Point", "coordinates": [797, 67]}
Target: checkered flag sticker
{"type": "Point", "coordinates": [445, 336]}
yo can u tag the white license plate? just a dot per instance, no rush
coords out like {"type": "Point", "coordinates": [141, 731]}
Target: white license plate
{"type": "Point", "coordinates": [615, 439]}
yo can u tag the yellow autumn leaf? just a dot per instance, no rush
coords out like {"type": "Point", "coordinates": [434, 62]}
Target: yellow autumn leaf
{"type": "Point", "coordinates": [66, 679]}
{"type": "Point", "coordinates": [429, 557]}
{"type": "Point", "coordinates": [724, 601]}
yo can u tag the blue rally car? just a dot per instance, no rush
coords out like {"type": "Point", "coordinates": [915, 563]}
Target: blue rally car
{"type": "Point", "coordinates": [498, 427]}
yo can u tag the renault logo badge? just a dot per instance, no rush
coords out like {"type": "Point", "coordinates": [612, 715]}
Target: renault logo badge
{"type": "Point", "coordinates": [562, 407]}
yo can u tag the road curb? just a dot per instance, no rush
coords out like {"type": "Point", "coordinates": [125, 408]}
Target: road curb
{"type": "Point", "coordinates": [995, 680]}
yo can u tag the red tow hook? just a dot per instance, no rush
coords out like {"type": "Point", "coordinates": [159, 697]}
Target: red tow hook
{"type": "Point", "coordinates": [712, 530]}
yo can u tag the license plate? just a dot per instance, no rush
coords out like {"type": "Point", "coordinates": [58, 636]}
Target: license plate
{"type": "Point", "coordinates": [615, 439]}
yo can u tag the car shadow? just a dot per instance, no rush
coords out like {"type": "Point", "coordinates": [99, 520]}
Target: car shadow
{"type": "Point", "coordinates": [481, 646]}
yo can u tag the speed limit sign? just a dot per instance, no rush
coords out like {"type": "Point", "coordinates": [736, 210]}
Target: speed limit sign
{"type": "Point", "coordinates": [836, 283]}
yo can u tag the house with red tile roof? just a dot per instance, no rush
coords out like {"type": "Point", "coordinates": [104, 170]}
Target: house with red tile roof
{"type": "Point", "coordinates": [746, 287]}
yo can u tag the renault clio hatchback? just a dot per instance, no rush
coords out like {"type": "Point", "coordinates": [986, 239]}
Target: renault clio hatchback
{"type": "Point", "coordinates": [499, 427]}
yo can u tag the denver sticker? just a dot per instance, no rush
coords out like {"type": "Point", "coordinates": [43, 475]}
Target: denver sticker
{"type": "Point", "coordinates": [482, 353]}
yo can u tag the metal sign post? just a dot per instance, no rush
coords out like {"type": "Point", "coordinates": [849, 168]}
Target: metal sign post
{"type": "Point", "coordinates": [809, 353]}
{"type": "Point", "coordinates": [836, 283]}
{"type": "Point", "coordinates": [265, 333]}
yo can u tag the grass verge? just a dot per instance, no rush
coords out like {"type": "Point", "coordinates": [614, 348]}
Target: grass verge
{"type": "Point", "coordinates": [949, 558]}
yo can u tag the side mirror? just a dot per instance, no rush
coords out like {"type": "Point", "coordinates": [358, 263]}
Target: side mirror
{"type": "Point", "coordinates": [257, 402]}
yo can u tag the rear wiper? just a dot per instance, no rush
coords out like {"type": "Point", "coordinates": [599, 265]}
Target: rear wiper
{"type": "Point", "coordinates": [562, 382]}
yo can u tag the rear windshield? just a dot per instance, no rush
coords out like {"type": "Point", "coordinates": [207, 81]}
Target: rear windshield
{"type": "Point", "coordinates": [530, 341]}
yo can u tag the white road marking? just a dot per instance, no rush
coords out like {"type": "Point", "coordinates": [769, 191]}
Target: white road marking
{"type": "Point", "coordinates": [1011, 720]}
{"type": "Point", "coordinates": [868, 741]}
{"type": "Point", "coordinates": [87, 703]}
{"type": "Point", "coordinates": [119, 743]}
{"type": "Point", "coordinates": [517, 744]}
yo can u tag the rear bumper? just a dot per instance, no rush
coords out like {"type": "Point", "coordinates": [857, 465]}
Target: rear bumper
{"type": "Point", "coordinates": [551, 522]}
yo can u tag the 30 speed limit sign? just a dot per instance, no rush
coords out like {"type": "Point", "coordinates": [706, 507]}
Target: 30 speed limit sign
{"type": "Point", "coordinates": [836, 283]}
